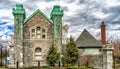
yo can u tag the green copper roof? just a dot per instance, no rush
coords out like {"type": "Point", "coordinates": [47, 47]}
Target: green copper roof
{"type": "Point", "coordinates": [56, 11]}
{"type": "Point", "coordinates": [19, 9]}
{"type": "Point", "coordinates": [87, 40]}
{"type": "Point", "coordinates": [36, 13]}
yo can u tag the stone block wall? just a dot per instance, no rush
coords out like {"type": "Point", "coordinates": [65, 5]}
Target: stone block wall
{"type": "Point", "coordinates": [91, 61]}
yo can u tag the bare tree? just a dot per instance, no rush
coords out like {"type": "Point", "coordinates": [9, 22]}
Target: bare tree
{"type": "Point", "coordinates": [64, 33]}
{"type": "Point", "coordinates": [11, 41]}
{"type": "Point", "coordinates": [87, 60]}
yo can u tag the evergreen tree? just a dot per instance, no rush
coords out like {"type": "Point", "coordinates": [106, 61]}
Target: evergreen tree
{"type": "Point", "coordinates": [53, 56]}
{"type": "Point", "coordinates": [72, 53]}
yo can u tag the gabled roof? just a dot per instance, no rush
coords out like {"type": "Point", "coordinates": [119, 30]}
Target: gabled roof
{"type": "Point", "coordinates": [87, 40]}
{"type": "Point", "coordinates": [36, 13]}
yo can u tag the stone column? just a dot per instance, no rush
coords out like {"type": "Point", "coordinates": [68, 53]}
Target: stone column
{"type": "Point", "coordinates": [56, 17]}
{"type": "Point", "coordinates": [19, 17]}
{"type": "Point", "coordinates": [107, 57]}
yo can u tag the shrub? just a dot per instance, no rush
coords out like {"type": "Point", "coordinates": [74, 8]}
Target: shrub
{"type": "Point", "coordinates": [83, 67]}
{"type": "Point", "coordinates": [53, 56]}
{"type": "Point", "coordinates": [46, 67]}
{"type": "Point", "coordinates": [69, 66]}
{"type": "Point", "coordinates": [71, 54]}
{"type": "Point", "coordinates": [72, 67]}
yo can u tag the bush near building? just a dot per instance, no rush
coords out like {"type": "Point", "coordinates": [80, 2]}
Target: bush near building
{"type": "Point", "coordinates": [71, 54]}
{"type": "Point", "coordinates": [53, 56]}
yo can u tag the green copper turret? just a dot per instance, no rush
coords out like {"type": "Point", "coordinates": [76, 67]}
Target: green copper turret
{"type": "Point", "coordinates": [19, 17]}
{"type": "Point", "coordinates": [19, 10]}
{"type": "Point", "coordinates": [56, 12]}
{"type": "Point", "coordinates": [56, 16]}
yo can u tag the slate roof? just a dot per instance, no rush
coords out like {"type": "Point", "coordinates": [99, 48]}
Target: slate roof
{"type": "Point", "coordinates": [87, 40]}
{"type": "Point", "coordinates": [35, 12]}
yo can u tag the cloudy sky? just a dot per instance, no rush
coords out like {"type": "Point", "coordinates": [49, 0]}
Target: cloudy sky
{"type": "Point", "coordinates": [78, 14]}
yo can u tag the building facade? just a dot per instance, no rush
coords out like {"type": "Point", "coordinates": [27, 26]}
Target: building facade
{"type": "Point", "coordinates": [34, 35]}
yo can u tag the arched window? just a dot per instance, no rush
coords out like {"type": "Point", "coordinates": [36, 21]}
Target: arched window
{"type": "Point", "coordinates": [38, 53]}
{"type": "Point", "coordinates": [43, 34]}
{"type": "Point", "coordinates": [33, 33]}
{"type": "Point", "coordinates": [38, 29]}
{"type": "Point", "coordinates": [38, 32]}
{"type": "Point", "coordinates": [43, 30]}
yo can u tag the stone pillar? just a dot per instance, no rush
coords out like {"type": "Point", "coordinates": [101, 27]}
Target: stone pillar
{"type": "Point", "coordinates": [107, 57]}
{"type": "Point", "coordinates": [12, 57]}
{"type": "Point", "coordinates": [19, 17]}
{"type": "Point", "coordinates": [56, 16]}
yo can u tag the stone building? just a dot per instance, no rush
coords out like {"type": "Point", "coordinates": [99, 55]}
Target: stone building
{"type": "Point", "coordinates": [34, 35]}
{"type": "Point", "coordinates": [89, 47]}
{"type": "Point", "coordinates": [88, 44]}
{"type": "Point", "coordinates": [93, 52]}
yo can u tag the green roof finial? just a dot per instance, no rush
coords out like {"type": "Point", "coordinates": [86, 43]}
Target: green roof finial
{"type": "Point", "coordinates": [56, 11]}
{"type": "Point", "coordinates": [19, 6]}
{"type": "Point", "coordinates": [19, 9]}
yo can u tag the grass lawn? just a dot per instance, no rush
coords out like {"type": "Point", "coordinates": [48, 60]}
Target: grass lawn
{"type": "Point", "coordinates": [3, 68]}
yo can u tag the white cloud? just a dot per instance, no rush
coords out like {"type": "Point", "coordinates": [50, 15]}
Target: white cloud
{"type": "Point", "coordinates": [6, 13]}
{"type": "Point", "coordinates": [78, 14]}
{"type": "Point", "coordinates": [18, 1]}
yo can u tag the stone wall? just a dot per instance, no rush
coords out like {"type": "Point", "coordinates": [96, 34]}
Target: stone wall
{"type": "Point", "coordinates": [91, 61]}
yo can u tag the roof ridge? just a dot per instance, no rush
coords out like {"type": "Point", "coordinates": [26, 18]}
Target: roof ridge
{"type": "Point", "coordinates": [35, 12]}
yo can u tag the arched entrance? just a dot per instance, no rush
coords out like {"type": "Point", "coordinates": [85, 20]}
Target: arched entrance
{"type": "Point", "coordinates": [38, 53]}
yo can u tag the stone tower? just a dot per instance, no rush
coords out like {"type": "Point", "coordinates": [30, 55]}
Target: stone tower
{"type": "Point", "coordinates": [19, 16]}
{"type": "Point", "coordinates": [107, 57]}
{"type": "Point", "coordinates": [56, 16]}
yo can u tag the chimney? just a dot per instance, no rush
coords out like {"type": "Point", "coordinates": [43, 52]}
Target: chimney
{"type": "Point", "coordinates": [103, 34]}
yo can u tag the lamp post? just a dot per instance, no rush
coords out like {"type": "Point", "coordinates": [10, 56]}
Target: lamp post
{"type": "Point", "coordinates": [113, 59]}
{"type": "Point", "coordinates": [1, 56]}
{"type": "Point", "coordinates": [17, 65]}
{"type": "Point", "coordinates": [39, 64]}
{"type": "Point", "coordinates": [61, 62]}
{"type": "Point", "coordinates": [79, 61]}
{"type": "Point", "coordinates": [6, 61]}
